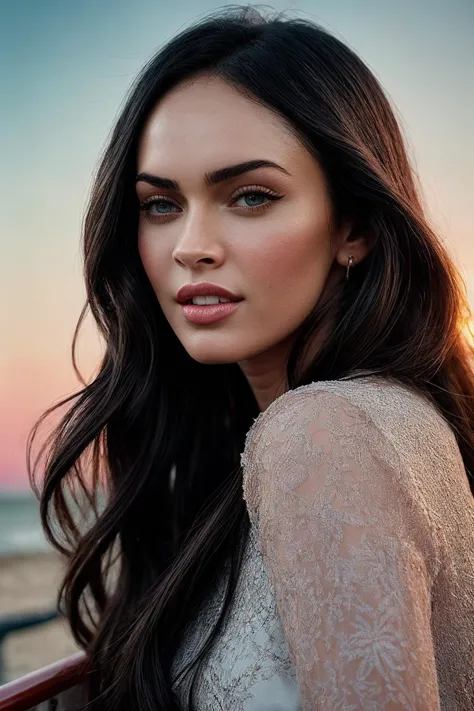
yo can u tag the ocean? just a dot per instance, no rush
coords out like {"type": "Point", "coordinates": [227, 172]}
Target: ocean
{"type": "Point", "coordinates": [20, 525]}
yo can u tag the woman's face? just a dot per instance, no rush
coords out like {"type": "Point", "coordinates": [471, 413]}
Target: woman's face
{"type": "Point", "coordinates": [276, 255]}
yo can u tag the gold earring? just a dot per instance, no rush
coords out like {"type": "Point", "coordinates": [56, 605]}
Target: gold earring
{"type": "Point", "coordinates": [350, 263]}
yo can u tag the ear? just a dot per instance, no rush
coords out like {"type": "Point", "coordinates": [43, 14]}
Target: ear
{"type": "Point", "coordinates": [351, 243]}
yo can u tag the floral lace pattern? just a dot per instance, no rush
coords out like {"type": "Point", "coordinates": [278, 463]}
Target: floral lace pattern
{"type": "Point", "coordinates": [249, 666]}
{"type": "Point", "coordinates": [357, 592]}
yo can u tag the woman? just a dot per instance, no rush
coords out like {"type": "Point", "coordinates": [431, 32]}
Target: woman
{"type": "Point", "coordinates": [289, 515]}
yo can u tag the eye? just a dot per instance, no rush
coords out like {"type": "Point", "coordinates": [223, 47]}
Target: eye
{"type": "Point", "coordinates": [249, 194]}
{"type": "Point", "coordinates": [249, 199]}
{"type": "Point", "coordinates": [158, 207]}
{"type": "Point", "coordinates": [162, 207]}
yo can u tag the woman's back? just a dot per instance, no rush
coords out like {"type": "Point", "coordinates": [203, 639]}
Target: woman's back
{"type": "Point", "coordinates": [251, 663]}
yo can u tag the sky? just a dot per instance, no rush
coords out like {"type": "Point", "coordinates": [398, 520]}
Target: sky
{"type": "Point", "coordinates": [65, 68]}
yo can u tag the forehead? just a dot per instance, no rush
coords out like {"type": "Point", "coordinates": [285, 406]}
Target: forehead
{"type": "Point", "coordinates": [209, 119]}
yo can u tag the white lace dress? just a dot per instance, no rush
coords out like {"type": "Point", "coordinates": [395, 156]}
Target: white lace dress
{"type": "Point", "coordinates": [357, 588]}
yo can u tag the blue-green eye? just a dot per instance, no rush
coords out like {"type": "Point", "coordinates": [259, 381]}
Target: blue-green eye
{"type": "Point", "coordinates": [263, 198]}
{"type": "Point", "coordinates": [158, 207]}
{"type": "Point", "coordinates": [159, 204]}
{"type": "Point", "coordinates": [163, 203]}
{"type": "Point", "coordinates": [251, 197]}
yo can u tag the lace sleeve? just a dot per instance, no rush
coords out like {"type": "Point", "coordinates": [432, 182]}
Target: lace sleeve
{"type": "Point", "coordinates": [343, 539]}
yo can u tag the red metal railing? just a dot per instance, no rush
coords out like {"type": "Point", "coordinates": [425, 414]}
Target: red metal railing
{"type": "Point", "coordinates": [32, 689]}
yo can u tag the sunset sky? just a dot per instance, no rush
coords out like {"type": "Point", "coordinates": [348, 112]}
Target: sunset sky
{"type": "Point", "coordinates": [65, 69]}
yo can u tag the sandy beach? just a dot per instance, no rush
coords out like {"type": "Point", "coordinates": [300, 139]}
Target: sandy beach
{"type": "Point", "coordinates": [30, 583]}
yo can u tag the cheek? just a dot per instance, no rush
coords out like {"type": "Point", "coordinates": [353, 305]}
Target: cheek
{"type": "Point", "coordinates": [292, 261]}
{"type": "Point", "coordinates": [154, 262]}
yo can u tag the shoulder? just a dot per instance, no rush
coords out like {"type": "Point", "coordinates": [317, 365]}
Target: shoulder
{"type": "Point", "coordinates": [402, 415]}
{"type": "Point", "coordinates": [344, 424]}
{"type": "Point", "coordinates": [291, 424]}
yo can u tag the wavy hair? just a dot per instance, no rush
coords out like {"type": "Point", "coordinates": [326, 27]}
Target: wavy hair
{"type": "Point", "coordinates": [152, 445]}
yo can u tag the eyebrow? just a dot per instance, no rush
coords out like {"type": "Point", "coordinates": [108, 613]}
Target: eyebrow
{"type": "Point", "coordinates": [215, 176]}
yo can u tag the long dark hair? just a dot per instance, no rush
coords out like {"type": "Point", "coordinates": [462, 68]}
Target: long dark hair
{"type": "Point", "coordinates": [163, 434]}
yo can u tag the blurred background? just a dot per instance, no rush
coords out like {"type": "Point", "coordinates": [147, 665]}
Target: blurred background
{"type": "Point", "coordinates": [65, 68]}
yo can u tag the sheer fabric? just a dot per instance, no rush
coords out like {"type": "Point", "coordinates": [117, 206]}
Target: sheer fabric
{"type": "Point", "coordinates": [345, 543]}
{"type": "Point", "coordinates": [357, 591]}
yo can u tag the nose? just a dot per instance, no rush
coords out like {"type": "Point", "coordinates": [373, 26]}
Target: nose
{"type": "Point", "coordinates": [198, 244]}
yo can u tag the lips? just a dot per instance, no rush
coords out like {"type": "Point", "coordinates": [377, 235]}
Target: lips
{"type": "Point", "coordinates": [189, 291]}
{"type": "Point", "coordinates": [208, 314]}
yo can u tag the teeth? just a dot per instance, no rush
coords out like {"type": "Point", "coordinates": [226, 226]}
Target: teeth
{"type": "Point", "coordinates": [203, 300]}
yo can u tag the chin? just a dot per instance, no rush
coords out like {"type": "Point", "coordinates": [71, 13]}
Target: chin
{"type": "Point", "coordinates": [217, 354]}
{"type": "Point", "coordinates": [211, 357]}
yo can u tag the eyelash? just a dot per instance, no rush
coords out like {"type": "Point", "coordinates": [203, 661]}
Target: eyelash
{"type": "Point", "coordinates": [250, 190]}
